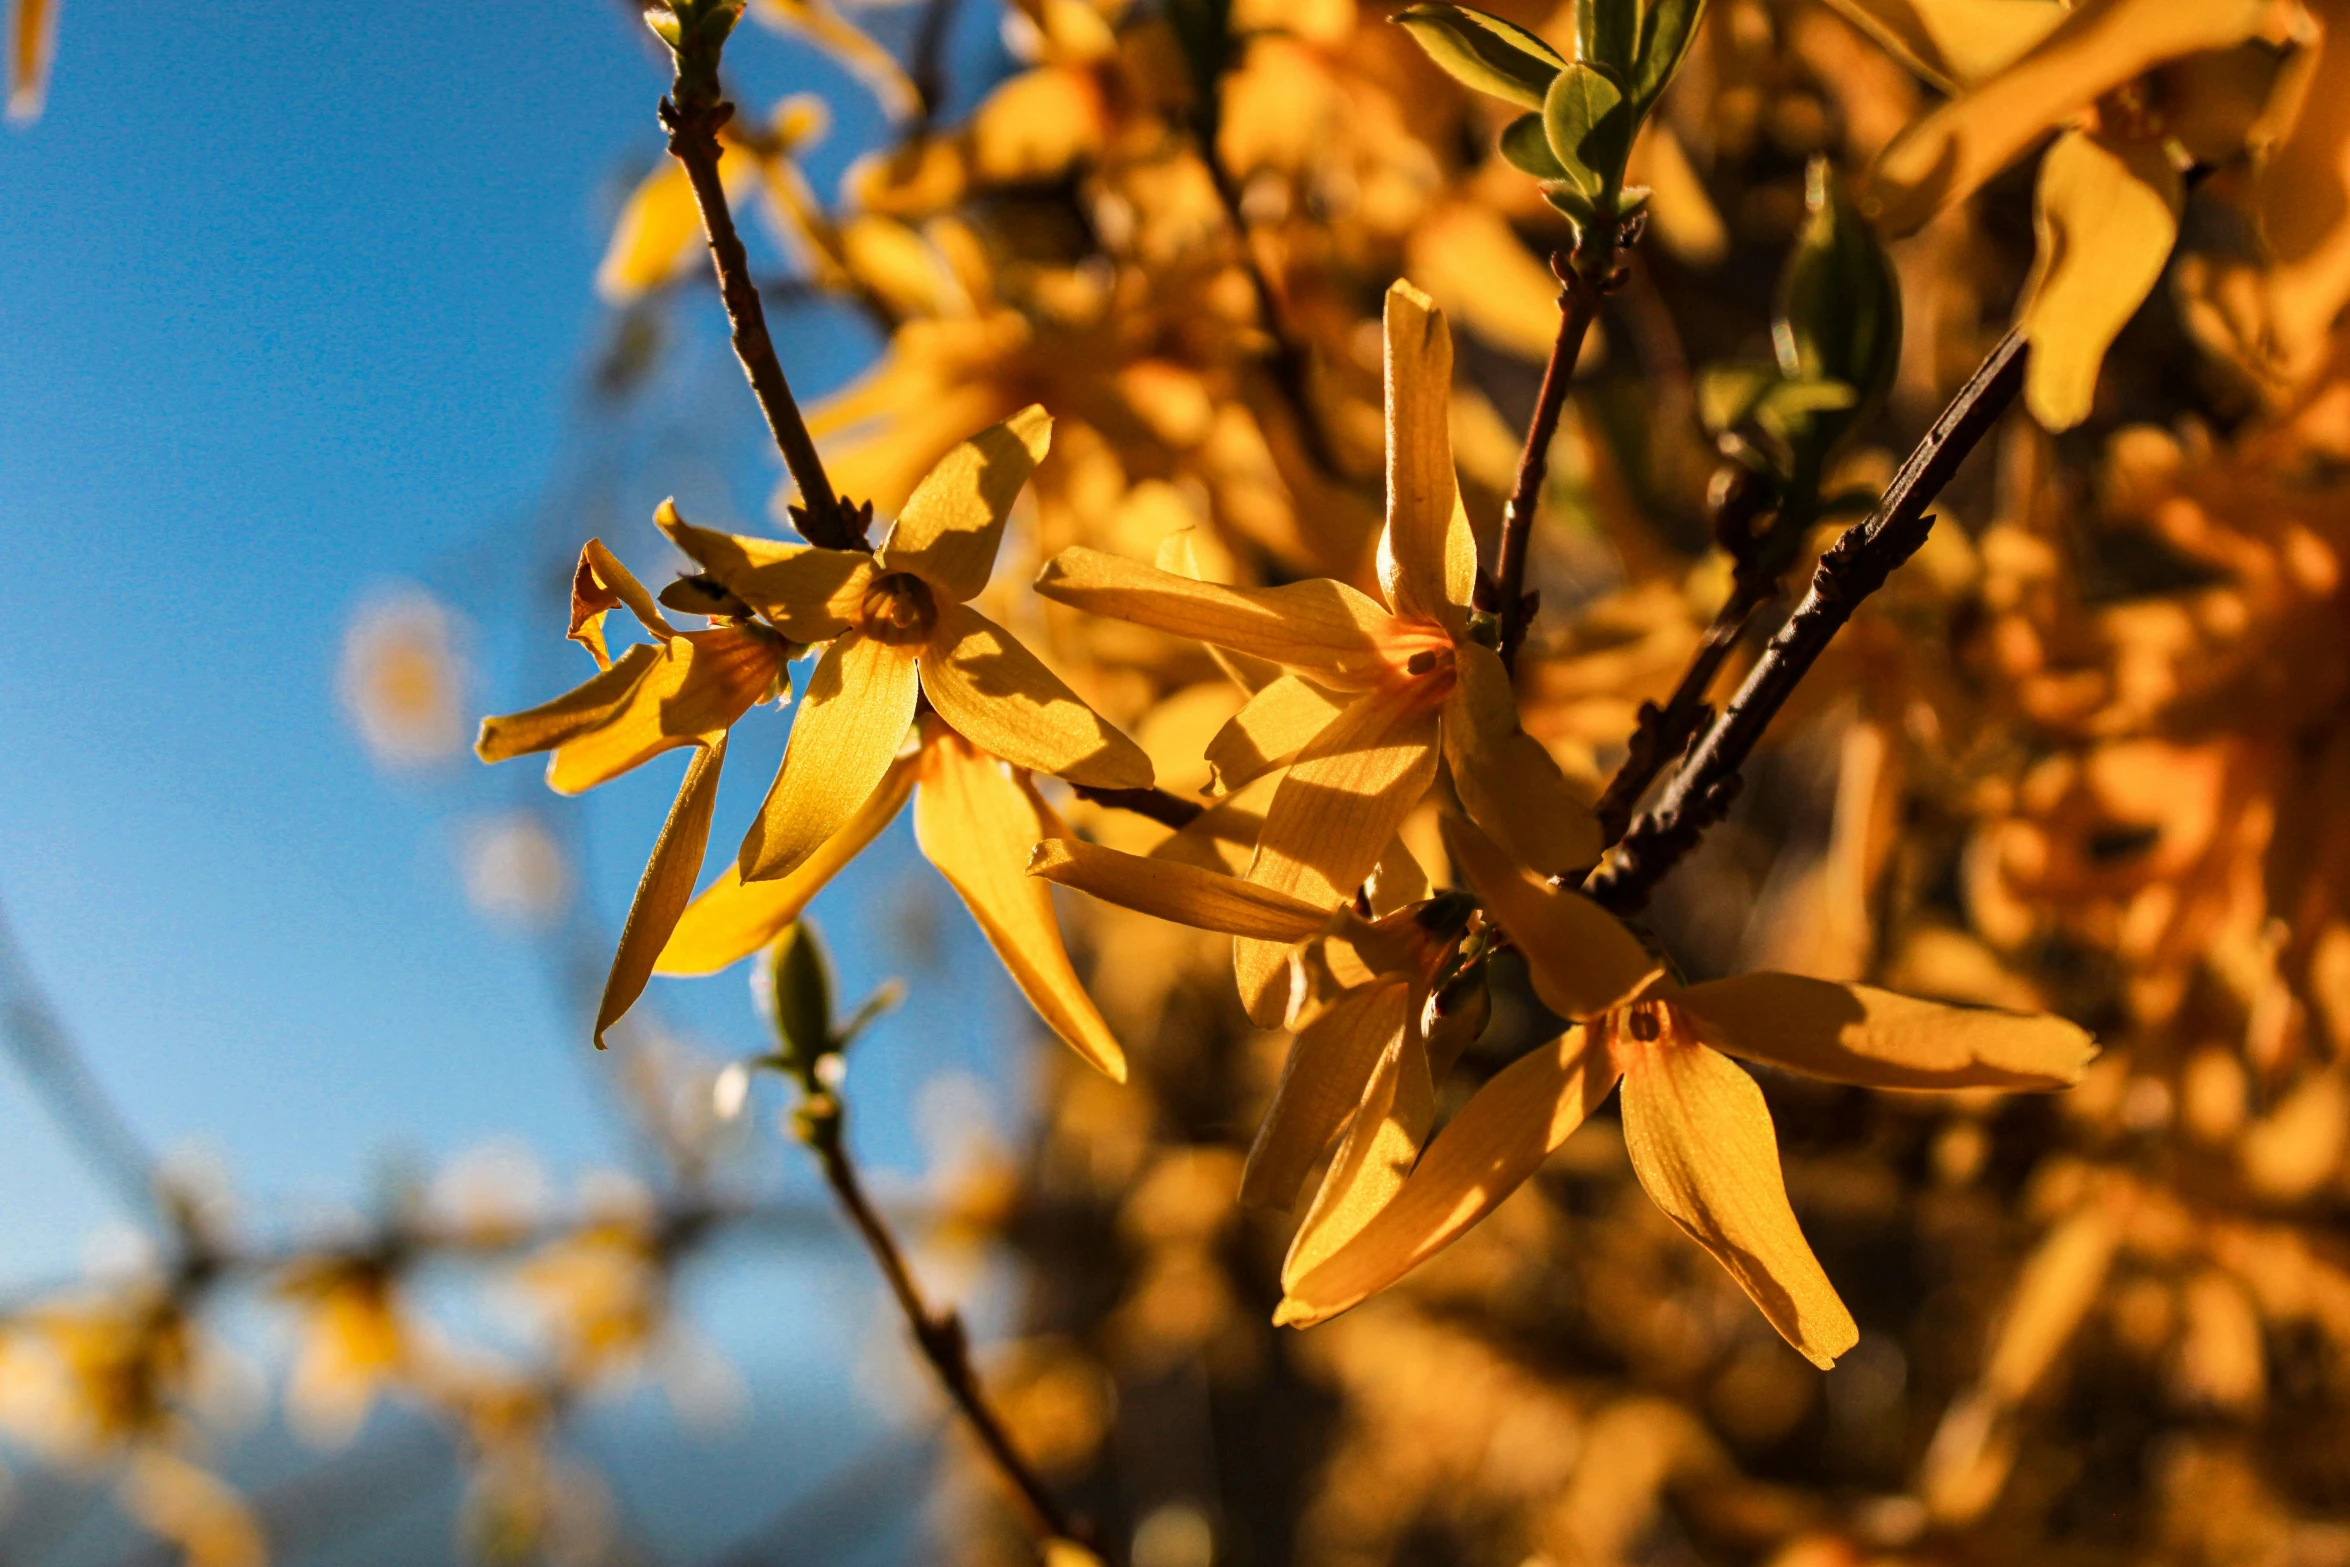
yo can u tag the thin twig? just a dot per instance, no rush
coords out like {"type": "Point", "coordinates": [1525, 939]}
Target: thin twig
{"type": "Point", "coordinates": [1853, 568]}
{"type": "Point", "coordinates": [1167, 809]}
{"type": "Point", "coordinates": [1506, 594]}
{"type": "Point", "coordinates": [693, 114]}
{"type": "Point", "coordinates": [939, 1335]}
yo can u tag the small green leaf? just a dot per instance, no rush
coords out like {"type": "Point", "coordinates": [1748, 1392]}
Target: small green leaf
{"type": "Point", "coordinates": [1607, 34]}
{"type": "Point", "coordinates": [1839, 316]}
{"type": "Point", "coordinates": [1484, 52]}
{"type": "Point", "coordinates": [1590, 129]}
{"type": "Point", "coordinates": [1526, 147]}
{"type": "Point", "coordinates": [1665, 35]}
{"type": "Point", "coordinates": [799, 992]}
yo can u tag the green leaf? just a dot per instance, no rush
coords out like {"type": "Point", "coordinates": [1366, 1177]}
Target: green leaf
{"type": "Point", "coordinates": [1839, 316]}
{"type": "Point", "coordinates": [1726, 394]}
{"type": "Point", "coordinates": [1607, 34]}
{"type": "Point", "coordinates": [799, 990]}
{"type": "Point", "coordinates": [1590, 129]}
{"type": "Point", "coordinates": [1526, 147]}
{"type": "Point", "coordinates": [1484, 52]}
{"type": "Point", "coordinates": [1665, 35]}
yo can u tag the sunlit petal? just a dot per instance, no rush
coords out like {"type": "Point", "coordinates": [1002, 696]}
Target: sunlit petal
{"type": "Point", "coordinates": [734, 918]}
{"type": "Point", "coordinates": [1329, 1064]}
{"type": "Point", "coordinates": [1271, 729]}
{"type": "Point", "coordinates": [659, 234]}
{"type": "Point", "coordinates": [977, 821]}
{"type": "Point", "coordinates": [574, 713]}
{"type": "Point", "coordinates": [600, 584]}
{"type": "Point", "coordinates": [1374, 1161]}
{"type": "Point", "coordinates": [1858, 1034]}
{"type": "Point", "coordinates": [1953, 43]}
{"type": "Point", "coordinates": [809, 594]}
{"type": "Point", "coordinates": [1170, 890]}
{"type": "Point", "coordinates": [697, 683]}
{"type": "Point", "coordinates": [1581, 958]}
{"type": "Point", "coordinates": [2107, 213]}
{"type": "Point", "coordinates": [666, 887]}
{"type": "Point", "coordinates": [1001, 697]}
{"type": "Point", "coordinates": [948, 530]}
{"type": "Point", "coordinates": [1487, 1151]}
{"type": "Point", "coordinates": [1427, 557]}
{"type": "Point", "coordinates": [851, 722]}
{"type": "Point", "coordinates": [1507, 782]}
{"type": "Point", "coordinates": [1701, 1142]}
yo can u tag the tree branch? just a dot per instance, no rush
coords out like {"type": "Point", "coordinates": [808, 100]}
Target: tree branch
{"type": "Point", "coordinates": [1167, 809]}
{"type": "Point", "coordinates": [1853, 568]}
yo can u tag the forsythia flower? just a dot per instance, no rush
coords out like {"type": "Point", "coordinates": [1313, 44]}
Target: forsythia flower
{"type": "Point", "coordinates": [1374, 694]}
{"type": "Point", "coordinates": [1696, 1126]}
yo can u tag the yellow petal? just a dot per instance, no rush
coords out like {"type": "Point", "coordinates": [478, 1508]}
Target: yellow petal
{"type": "Point", "coordinates": [851, 723]}
{"type": "Point", "coordinates": [1486, 1152]}
{"type": "Point", "coordinates": [1224, 836]}
{"type": "Point", "coordinates": [2107, 212]}
{"type": "Point", "coordinates": [1321, 629]}
{"type": "Point", "coordinates": [734, 918]}
{"type": "Point", "coordinates": [1952, 43]}
{"type": "Point", "coordinates": [1275, 724]}
{"type": "Point", "coordinates": [865, 59]}
{"type": "Point", "coordinates": [599, 583]}
{"type": "Point", "coordinates": [32, 40]}
{"type": "Point", "coordinates": [977, 821]}
{"type": "Point", "coordinates": [948, 530]}
{"type": "Point", "coordinates": [1507, 782]}
{"type": "Point", "coordinates": [2101, 44]}
{"type": "Point", "coordinates": [659, 235]}
{"type": "Point", "coordinates": [1330, 1063]}
{"type": "Point", "coordinates": [1376, 1158]}
{"type": "Point", "coordinates": [1701, 1142]}
{"type": "Point", "coordinates": [1169, 890]}
{"type": "Point", "coordinates": [1002, 698]}
{"type": "Point", "coordinates": [1427, 557]}
{"type": "Point", "coordinates": [810, 594]}
{"type": "Point", "coordinates": [1858, 1034]}
{"type": "Point", "coordinates": [575, 712]}
{"type": "Point", "coordinates": [1581, 958]}
{"type": "Point", "coordinates": [666, 887]}
{"type": "Point", "coordinates": [695, 684]}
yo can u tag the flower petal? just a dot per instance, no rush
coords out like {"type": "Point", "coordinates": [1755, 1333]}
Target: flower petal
{"type": "Point", "coordinates": [948, 530]}
{"type": "Point", "coordinates": [2107, 211]}
{"type": "Point", "coordinates": [809, 594]}
{"type": "Point", "coordinates": [1330, 1063]}
{"type": "Point", "coordinates": [1859, 1034]}
{"type": "Point", "coordinates": [1170, 890]}
{"type": "Point", "coordinates": [600, 584]}
{"type": "Point", "coordinates": [1499, 1138]}
{"type": "Point", "coordinates": [851, 723]}
{"type": "Point", "coordinates": [1427, 557]}
{"type": "Point", "coordinates": [1376, 1158]}
{"type": "Point", "coordinates": [660, 229]}
{"type": "Point", "coordinates": [1269, 730]}
{"type": "Point", "coordinates": [1507, 782]}
{"type": "Point", "coordinates": [699, 682]}
{"type": "Point", "coordinates": [976, 821]}
{"type": "Point", "coordinates": [1001, 697]}
{"type": "Point", "coordinates": [1952, 43]}
{"type": "Point", "coordinates": [582, 708]}
{"type": "Point", "coordinates": [1321, 629]}
{"type": "Point", "coordinates": [666, 887]}
{"type": "Point", "coordinates": [1701, 1142]}
{"type": "Point", "coordinates": [734, 918]}
{"type": "Point", "coordinates": [1582, 959]}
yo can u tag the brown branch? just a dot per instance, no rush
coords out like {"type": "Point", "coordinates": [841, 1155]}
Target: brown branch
{"type": "Point", "coordinates": [939, 1335]}
{"type": "Point", "coordinates": [1853, 568]}
{"type": "Point", "coordinates": [1505, 595]}
{"type": "Point", "coordinates": [693, 114]}
{"type": "Point", "coordinates": [1168, 810]}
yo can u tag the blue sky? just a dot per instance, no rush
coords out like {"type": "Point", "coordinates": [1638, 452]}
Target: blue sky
{"type": "Point", "coordinates": [294, 301]}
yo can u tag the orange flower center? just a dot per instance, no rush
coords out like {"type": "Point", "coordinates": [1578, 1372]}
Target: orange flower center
{"type": "Point", "coordinates": [1421, 657]}
{"type": "Point", "coordinates": [898, 609]}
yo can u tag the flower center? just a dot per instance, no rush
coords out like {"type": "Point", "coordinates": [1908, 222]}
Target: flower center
{"type": "Point", "coordinates": [898, 609]}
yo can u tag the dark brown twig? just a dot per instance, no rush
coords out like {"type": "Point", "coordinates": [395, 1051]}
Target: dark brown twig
{"type": "Point", "coordinates": [1168, 810]}
{"type": "Point", "coordinates": [1853, 568]}
{"type": "Point", "coordinates": [1505, 595]}
{"type": "Point", "coordinates": [693, 115]}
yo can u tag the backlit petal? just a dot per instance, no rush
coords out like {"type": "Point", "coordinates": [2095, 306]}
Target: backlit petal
{"type": "Point", "coordinates": [600, 584]}
{"type": "Point", "coordinates": [1858, 1034]}
{"type": "Point", "coordinates": [1507, 782]}
{"type": "Point", "coordinates": [809, 594]}
{"type": "Point", "coordinates": [1375, 1160]}
{"type": "Point", "coordinates": [734, 918]}
{"type": "Point", "coordinates": [1330, 1062]}
{"type": "Point", "coordinates": [1272, 728]}
{"type": "Point", "coordinates": [1701, 1142]}
{"type": "Point", "coordinates": [575, 712]}
{"type": "Point", "coordinates": [1499, 1138]}
{"type": "Point", "coordinates": [1953, 43]}
{"type": "Point", "coordinates": [1322, 629]}
{"type": "Point", "coordinates": [948, 530]}
{"type": "Point", "coordinates": [1001, 697]}
{"type": "Point", "coordinates": [2107, 212]}
{"type": "Point", "coordinates": [1581, 958]}
{"type": "Point", "coordinates": [1169, 890]}
{"type": "Point", "coordinates": [1427, 557]}
{"type": "Point", "coordinates": [977, 820]}
{"type": "Point", "coordinates": [666, 887]}
{"type": "Point", "coordinates": [851, 723]}
{"type": "Point", "coordinates": [697, 683]}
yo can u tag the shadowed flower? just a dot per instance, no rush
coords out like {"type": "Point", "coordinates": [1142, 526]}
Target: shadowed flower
{"type": "Point", "coordinates": [1696, 1126]}
{"type": "Point", "coordinates": [1373, 695]}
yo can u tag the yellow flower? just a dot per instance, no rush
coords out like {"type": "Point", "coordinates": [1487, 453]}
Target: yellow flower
{"type": "Point", "coordinates": [1374, 693]}
{"type": "Point", "coordinates": [353, 1342]}
{"type": "Point", "coordinates": [1697, 1129]}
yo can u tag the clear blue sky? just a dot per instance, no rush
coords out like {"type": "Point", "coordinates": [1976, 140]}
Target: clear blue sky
{"type": "Point", "coordinates": [293, 303]}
